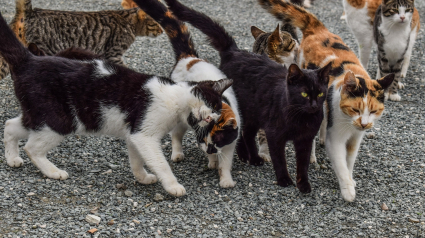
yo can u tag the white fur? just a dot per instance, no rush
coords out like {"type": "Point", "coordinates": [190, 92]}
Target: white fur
{"type": "Point", "coordinates": [223, 159]}
{"type": "Point", "coordinates": [171, 105]}
{"type": "Point", "coordinates": [408, 54]}
{"type": "Point", "coordinates": [291, 58]}
{"type": "Point", "coordinates": [101, 70]}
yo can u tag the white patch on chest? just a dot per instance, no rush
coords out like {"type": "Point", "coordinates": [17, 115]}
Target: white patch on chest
{"type": "Point", "coordinates": [102, 70]}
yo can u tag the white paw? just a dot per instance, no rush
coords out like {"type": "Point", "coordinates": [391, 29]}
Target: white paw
{"type": "Point", "coordinates": [265, 156]}
{"type": "Point", "coordinates": [148, 179]}
{"type": "Point", "coordinates": [59, 174]}
{"type": "Point", "coordinates": [227, 183]}
{"type": "Point", "coordinates": [307, 3]}
{"type": "Point", "coordinates": [177, 156]}
{"type": "Point", "coordinates": [395, 97]}
{"type": "Point", "coordinates": [213, 164]}
{"type": "Point", "coordinates": [322, 141]}
{"type": "Point", "coordinates": [386, 94]}
{"type": "Point", "coordinates": [313, 158]}
{"type": "Point", "coordinates": [348, 193]}
{"type": "Point", "coordinates": [175, 189]}
{"type": "Point", "coordinates": [15, 162]}
{"type": "Point", "coordinates": [401, 85]}
{"type": "Point", "coordinates": [343, 17]}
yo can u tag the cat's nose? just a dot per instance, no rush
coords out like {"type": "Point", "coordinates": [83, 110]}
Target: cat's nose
{"type": "Point", "coordinates": [208, 119]}
{"type": "Point", "coordinates": [364, 125]}
{"type": "Point", "coordinates": [402, 18]}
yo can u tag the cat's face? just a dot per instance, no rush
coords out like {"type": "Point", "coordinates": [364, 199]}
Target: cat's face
{"type": "Point", "coordinates": [207, 107]}
{"type": "Point", "coordinates": [363, 101]}
{"type": "Point", "coordinates": [308, 88]}
{"type": "Point", "coordinates": [222, 133]}
{"type": "Point", "coordinates": [398, 11]}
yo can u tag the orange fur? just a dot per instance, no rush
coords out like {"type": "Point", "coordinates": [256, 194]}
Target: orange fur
{"type": "Point", "coordinates": [193, 62]}
{"type": "Point", "coordinates": [227, 118]}
{"type": "Point", "coordinates": [357, 3]}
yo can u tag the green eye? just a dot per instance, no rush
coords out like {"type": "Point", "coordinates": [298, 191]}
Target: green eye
{"type": "Point", "coordinates": [320, 95]}
{"type": "Point", "coordinates": [304, 94]}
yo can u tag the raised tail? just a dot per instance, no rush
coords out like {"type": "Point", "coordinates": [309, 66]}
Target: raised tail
{"type": "Point", "coordinates": [11, 49]}
{"type": "Point", "coordinates": [293, 14]}
{"type": "Point", "coordinates": [217, 35]}
{"type": "Point", "coordinates": [176, 30]}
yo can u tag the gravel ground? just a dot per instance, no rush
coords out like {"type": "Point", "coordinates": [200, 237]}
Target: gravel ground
{"type": "Point", "coordinates": [390, 166]}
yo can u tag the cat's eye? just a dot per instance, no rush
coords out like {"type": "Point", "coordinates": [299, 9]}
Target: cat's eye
{"type": "Point", "coordinates": [355, 110]}
{"type": "Point", "coordinates": [373, 112]}
{"type": "Point", "coordinates": [304, 94]}
{"type": "Point", "coordinates": [320, 95]}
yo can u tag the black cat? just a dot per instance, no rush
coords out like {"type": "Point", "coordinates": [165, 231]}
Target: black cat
{"type": "Point", "coordinates": [287, 104]}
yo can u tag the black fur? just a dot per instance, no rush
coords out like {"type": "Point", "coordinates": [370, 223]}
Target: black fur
{"type": "Point", "coordinates": [340, 46]}
{"type": "Point", "coordinates": [269, 98]}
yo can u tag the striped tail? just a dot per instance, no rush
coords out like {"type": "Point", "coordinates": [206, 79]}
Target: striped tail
{"type": "Point", "coordinates": [176, 30]}
{"type": "Point", "coordinates": [217, 35]}
{"type": "Point", "coordinates": [293, 14]}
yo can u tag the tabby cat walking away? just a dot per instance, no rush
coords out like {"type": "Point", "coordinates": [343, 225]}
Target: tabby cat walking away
{"type": "Point", "coordinates": [393, 25]}
{"type": "Point", "coordinates": [354, 100]}
{"type": "Point", "coordinates": [106, 33]}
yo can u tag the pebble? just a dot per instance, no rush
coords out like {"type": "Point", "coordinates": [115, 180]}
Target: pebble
{"type": "Point", "coordinates": [384, 207]}
{"type": "Point", "coordinates": [111, 222]}
{"type": "Point", "coordinates": [31, 194]}
{"type": "Point", "coordinates": [128, 193]}
{"type": "Point", "coordinates": [109, 171]}
{"type": "Point", "coordinates": [92, 219]}
{"type": "Point", "coordinates": [158, 197]}
{"type": "Point", "coordinates": [322, 166]}
{"type": "Point", "coordinates": [414, 220]}
{"type": "Point", "coordinates": [121, 186]}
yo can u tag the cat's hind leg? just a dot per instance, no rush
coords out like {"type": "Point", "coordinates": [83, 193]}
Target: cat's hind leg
{"type": "Point", "coordinates": [263, 150]}
{"type": "Point", "coordinates": [136, 164]}
{"type": "Point", "coordinates": [150, 149]}
{"type": "Point", "coordinates": [13, 132]}
{"type": "Point", "coordinates": [225, 166]}
{"type": "Point", "coordinates": [313, 158]}
{"type": "Point", "coordinates": [176, 142]}
{"type": "Point", "coordinates": [38, 145]}
{"type": "Point", "coordinates": [249, 137]}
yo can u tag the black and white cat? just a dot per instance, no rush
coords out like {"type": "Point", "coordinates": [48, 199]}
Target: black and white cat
{"type": "Point", "coordinates": [59, 97]}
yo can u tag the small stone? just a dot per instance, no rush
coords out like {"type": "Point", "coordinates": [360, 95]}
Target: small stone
{"type": "Point", "coordinates": [250, 184]}
{"type": "Point", "coordinates": [31, 194]}
{"type": "Point", "coordinates": [413, 220]}
{"type": "Point", "coordinates": [110, 223]}
{"type": "Point", "coordinates": [169, 230]}
{"type": "Point", "coordinates": [113, 166]}
{"type": "Point", "coordinates": [136, 221]}
{"type": "Point", "coordinates": [109, 171]}
{"type": "Point", "coordinates": [43, 226]}
{"type": "Point", "coordinates": [121, 186]}
{"type": "Point", "coordinates": [128, 193]}
{"type": "Point", "coordinates": [158, 197]}
{"type": "Point", "coordinates": [260, 212]}
{"type": "Point", "coordinates": [322, 166]}
{"type": "Point", "coordinates": [34, 227]}
{"type": "Point", "coordinates": [135, 204]}
{"type": "Point", "coordinates": [132, 224]}
{"type": "Point", "coordinates": [1, 188]}
{"type": "Point", "coordinates": [92, 231]}
{"type": "Point", "coordinates": [384, 207]}
{"type": "Point", "coordinates": [416, 79]}
{"type": "Point", "coordinates": [159, 232]}
{"type": "Point", "coordinates": [92, 219]}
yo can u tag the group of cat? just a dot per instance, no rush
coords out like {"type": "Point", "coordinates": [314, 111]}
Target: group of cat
{"type": "Point", "coordinates": [69, 78]}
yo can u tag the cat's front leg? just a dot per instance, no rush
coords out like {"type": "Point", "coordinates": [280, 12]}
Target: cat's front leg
{"type": "Point", "coordinates": [212, 161]}
{"type": "Point", "coordinates": [13, 132]}
{"type": "Point", "coordinates": [150, 150]}
{"type": "Point", "coordinates": [277, 153]}
{"type": "Point", "coordinates": [225, 166]}
{"type": "Point", "coordinates": [136, 164]}
{"type": "Point", "coordinates": [337, 152]}
{"type": "Point", "coordinates": [176, 142]}
{"type": "Point", "coordinates": [303, 151]}
{"type": "Point", "coordinates": [353, 145]}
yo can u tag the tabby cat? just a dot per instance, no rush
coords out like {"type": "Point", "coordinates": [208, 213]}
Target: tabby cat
{"type": "Point", "coordinates": [218, 140]}
{"type": "Point", "coordinates": [287, 104]}
{"type": "Point", "coordinates": [354, 102]}
{"type": "Point", "coordinates": [107, 33]}
{"type": "Point", "coordinates": [101, 98]}
{"type": "Point", "coordinates": [393, 25]}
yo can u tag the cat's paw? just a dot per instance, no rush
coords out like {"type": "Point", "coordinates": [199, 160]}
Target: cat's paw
{"type": "Point", "coordinates": [304, 187]}
{"type": "Point", "coordinates": [348, 193]}
{"type": "Point", "coordinates": [213, 164]}
{"type": "Point", "coordinates": [15, 162]}
{"type": "Point", "coordinates": [322, 141]}
{"type": "Point", "coordinates": [227, 183]}
{"type": "Point", "coordinates": [266, 157]}
{"type": "Point", "coordinates": [400, 85]}
{"type": "Point", "coordinates": [58, 174]}
{"type": "Point", "coordinates": [285, 182]}
{"type": "Point", "coordinates": [148, 179]}
{"type": "Point", "coordinates": [313, 158]}
{"type": "Point", "coordinates": [177, 156]}
{"type": "Point", "coordinates": [395, 97]}
{"type": "Point", "coordinates": [256, 161]}
{"type": "Point", "coordinates": [175, 189]}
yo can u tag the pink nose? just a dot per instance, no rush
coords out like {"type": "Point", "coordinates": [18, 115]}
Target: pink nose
{"type": "Point", "coordinates": [402, 18]}
{"type": "Point", "coordinates": [208, 119]}
{"type": "Point", "coordinates": [364, 125]}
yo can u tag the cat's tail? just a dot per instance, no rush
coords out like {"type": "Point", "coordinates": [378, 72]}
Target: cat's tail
{"type": "Point", "coordinates": [13, 52]}
{"type": "Point", "coordinates": [293, 14]}
{"type": "Point", "coordinates": [217, 35]}
{"type": "Point", "coordinates": [176, 30]}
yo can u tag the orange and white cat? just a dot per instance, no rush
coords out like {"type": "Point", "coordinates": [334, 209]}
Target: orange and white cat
{"type": "Point", "coordinates": [354, 101]}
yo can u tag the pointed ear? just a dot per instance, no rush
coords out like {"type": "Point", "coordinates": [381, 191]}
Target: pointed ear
{"type": "Point", "coordinates": [256, 32]}
{"type": "Point", "coordinates": [231, 122]}
{"type": "Point", "coordinates": [294, 73]}
{"type": "Point", "coordinates": [324, 73]}
{"type": "Point", "coordinates": [350, 81]}
{"type": "Point", "coordinates": [386, 81]}
{"type": "Point", "coordinates": [33, 48]}
{"type": "Point", "coordinates": [221, 85]}
{"type": "Point", "coordinates": [274, 38]}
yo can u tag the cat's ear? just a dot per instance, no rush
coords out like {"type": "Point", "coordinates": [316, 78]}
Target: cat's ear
{"type": "Point", "coordinates": [221, 85]}
{"type": "Point", "coordinates": [324, 73]}
{"type": "Point", "coordinates": [350, 82]}
{"type": "Point", "coordinates": [386, 81]}
{"type": "Point", "coordinates": [294, 73]}
{"type": "Point", "coordinates": [231, 122]}
{"type": "Point", "coordinates": [275, 39]}
{"type": "Point", "coordinates": [256, 32]}
{"type": "Point", "coordinates": [33, 48]}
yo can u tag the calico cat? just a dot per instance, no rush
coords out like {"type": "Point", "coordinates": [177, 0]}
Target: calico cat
{"type": "Point", "coordinates": [218, 140]}
{"type": "Point", "coordinates": [287, 104]}
{"type": "Point", "coordinates": [59, 97]}
{"type": "Point", "coordinates": [393, 25]}
{"type": "Point", "coordinates": [354, 102]}
{"type": "Point", "coordinates": [107, 33]}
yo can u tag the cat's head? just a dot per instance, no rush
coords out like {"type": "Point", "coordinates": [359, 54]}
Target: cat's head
{"type": "Point", "coordinates": [222, 133]}
{"type": "Point", "coordinates": [206, 107]}
{"type": "Point", "coordinates": [363, 100]}
{"type": "Point", "coordinates": [278, 45]}
{"type": "Point", "coordinates": [307, 88]}
{"type": "Point", "coordinates": [398, 11]}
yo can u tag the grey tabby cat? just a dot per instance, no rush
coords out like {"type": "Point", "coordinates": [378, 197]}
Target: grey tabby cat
{"type": "Point", "coordinates": [105, 33]}
{"type": "Point", "coordinates": [281, 45]}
